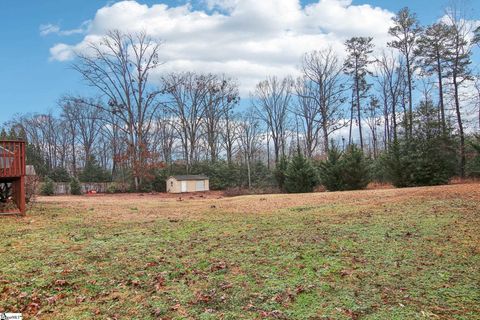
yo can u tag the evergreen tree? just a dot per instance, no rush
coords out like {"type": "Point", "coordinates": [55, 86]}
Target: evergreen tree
{"type": "Point", "coordinates": [59, 174]}
{"type": "Point", "coordinates": [473, 165]}
{"type": "Point", "coordinates": [300, 176]}
{"type": "Point", "coordinates": [355, 169]}
{"type": "Point", "coordinates": [405, 31]}
{"type": "Point", "coordinates": [93, 172]}
{"type": "Point", "coordinates": [434, 47]}
{"type": "Point", "coordinates": [48, 188]}
{"type": "Point", "coordinates": [331, 170]}
{"type": "Point", "coordinates": [356, 65]}
{"type": "Point", "coordinates": [75, 187]}
{"type": "Point", "coordinates": [427, 158]}
{"type": "Point", "coordinates": [476, 37]}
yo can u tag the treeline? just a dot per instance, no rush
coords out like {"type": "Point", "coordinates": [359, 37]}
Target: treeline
{"type": "Point", "coordinates": [408, 115]}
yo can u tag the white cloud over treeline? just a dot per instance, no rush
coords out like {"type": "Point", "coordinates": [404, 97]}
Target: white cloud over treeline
{"type": "Point", "coordinates": [247, 39]}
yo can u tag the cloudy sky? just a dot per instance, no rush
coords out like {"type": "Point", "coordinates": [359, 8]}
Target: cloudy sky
{"type": "Point", "coordinates": [247, 39]}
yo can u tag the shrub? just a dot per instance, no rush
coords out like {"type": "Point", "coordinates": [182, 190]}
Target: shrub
{"type": "Point", "coordinates": [473, 164]}
{"type": "Point", "coordinates": [344, 171]}
{"type": "Point", "coordinates": [31, 184]}
{"type": "Point", "coordinates": [221, 174]}
{"type": "Point", "coordinates": [300, 176]}
{"type": "Point", "coordinates": [355, 169]}
{"type": "Point", "coordinates": [93, 172]}
{"type": "Point", "coordinates": [59, 174]}
{"type": "Point", "coordinates": [331, 170]}
{"type": "Point", "coordinates": [48, 188]}
{"type": "Point", "coordinates": [425, 159]}
{"type": "Point", "coordinates": [75, 187]}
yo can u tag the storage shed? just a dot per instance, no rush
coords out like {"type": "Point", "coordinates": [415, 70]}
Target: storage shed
{"type": "Point", "coordinates": [188, 183]}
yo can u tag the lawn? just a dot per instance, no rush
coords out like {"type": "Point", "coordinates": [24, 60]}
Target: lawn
{"type": "Point", "coordinates": [375, 254]}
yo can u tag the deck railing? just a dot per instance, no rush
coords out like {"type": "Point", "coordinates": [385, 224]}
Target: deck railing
{"type": "Point", "coordinates": [12, 159]}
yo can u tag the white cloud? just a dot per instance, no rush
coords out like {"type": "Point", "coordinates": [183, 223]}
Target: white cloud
{"type": "Point", "coordinates": [247, 39]}
{"type": "Point", "coordinates": [47, 29]}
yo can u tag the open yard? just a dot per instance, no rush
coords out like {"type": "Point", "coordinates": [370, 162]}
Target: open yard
{"type": "Point", "coordinates": [376, 254]}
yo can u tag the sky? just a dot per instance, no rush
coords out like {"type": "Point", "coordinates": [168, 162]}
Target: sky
{"type": "Point", "coordinates": [247, 39]}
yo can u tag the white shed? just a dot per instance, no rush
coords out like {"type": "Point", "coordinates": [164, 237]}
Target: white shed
{"type": "Point", "coordinates": [188, 183]}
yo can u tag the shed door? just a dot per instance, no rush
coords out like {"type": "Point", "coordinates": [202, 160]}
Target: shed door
{"type": "Point", "coordinates": [184, 186]}
{"type": "Point", "coordinates": [200, 185]}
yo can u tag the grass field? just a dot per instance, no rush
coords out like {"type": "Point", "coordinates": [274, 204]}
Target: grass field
{"type": "Point", "coordinates": [376, 254]}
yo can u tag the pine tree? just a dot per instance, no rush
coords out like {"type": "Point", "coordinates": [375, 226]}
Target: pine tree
{"type": "Point", "coordinates": [356, 65]}
{"type": "Point", "coordinates": [426, 158]}
{"type": "Point", "coordinates": [405, 31]}
{"type": "Point", "coordinates": [434, 47]}
{"type": "Point", "coordinates": [356, 175]}
{"type": "Point", "coordinates": [300, 176]}
{"type": "Point", "coordinates": [331, 170]}
{"type": "Point", "coordinates": [48, 188]}
{"type": "Point", "coordinates": [476, 37]}
{"type": "Point", "coordinates": [93, 172]}
{"type": "Point", "coordinates": [75, 187]}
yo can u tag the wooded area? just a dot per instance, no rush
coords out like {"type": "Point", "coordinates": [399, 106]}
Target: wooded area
{"type": "Point", "coordinates": [409, 115]}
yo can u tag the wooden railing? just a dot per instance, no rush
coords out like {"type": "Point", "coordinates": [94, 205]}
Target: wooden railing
{"type": "Point", "coordinates": [12, 159]}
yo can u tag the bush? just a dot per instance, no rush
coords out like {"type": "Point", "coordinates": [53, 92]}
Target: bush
{"type": "Point", "coordinates": [344, 171]}
{"type": "Point", "coordinates": [331, 170]}
{"type": "Point", "coordinates": [48, 187]}
{"type": "Point", "coordinates": [75, 187]}
{"type": "Point", "coordinates": [59, 174]}
{"type": "Point", "coordinates": [300, 176]}
{"type": "Point", "coordinates": [93, 172]}
{"type": "Point", "coordinates": [356, 174]}
{"type": "Point", "coordinates": [473, 164]}
{"type": "Point", "coordinates": [425, 159]}
{"type": "Point", "coordinates": [31, 183]}
{"type": "Point", "coordinates": [221, 174]}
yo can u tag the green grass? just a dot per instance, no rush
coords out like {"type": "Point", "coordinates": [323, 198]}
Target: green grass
{"type": "Point", "coordinates": [417, 258]}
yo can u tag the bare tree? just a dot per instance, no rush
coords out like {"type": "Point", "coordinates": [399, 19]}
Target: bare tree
{"type": "Point", "coordinates": [229, 132]}
{"type": "Point", "coordinates": [120, 67]}
{"type": "Point", "coordinates": [221, 97]}
{"type": "Point", "coordinates": [373, 121]}
{"type": "Point", "coordinates": [187, 93]}
{"type": "Point", "coordinates": [272, 100]}
{"type": "Point", "coordinates": [459, 67]}
{"type": "Point", "coordinates": [321, 95]}
{"type": "Point", "coordinates": [81, 115]}
{"type": "Point", "coordinates": [164, 137]}
{"type": "Point", "coordinates": [249, 138]}
{"type": "Point", "coordinates": [390, 76]}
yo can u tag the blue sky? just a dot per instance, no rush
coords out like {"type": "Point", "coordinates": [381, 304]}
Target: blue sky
{"type": "Point", "coordinates": [31, 82]}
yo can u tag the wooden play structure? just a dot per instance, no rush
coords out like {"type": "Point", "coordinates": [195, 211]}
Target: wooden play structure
{"type": "Point", "coordinates": [12, 177]}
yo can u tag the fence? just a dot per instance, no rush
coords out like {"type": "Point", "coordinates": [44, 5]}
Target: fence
{"type": "Point", "coordinates": [62, 188]}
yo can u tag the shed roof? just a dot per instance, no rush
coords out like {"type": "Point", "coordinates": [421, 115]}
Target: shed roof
{"type": "Point", "coordinates": [190, 177]}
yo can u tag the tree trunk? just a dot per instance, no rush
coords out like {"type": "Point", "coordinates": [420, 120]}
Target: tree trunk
{"type": "Point", "coordinates": [460, 127]}
{"type": "Point", "coordinates": [359, 115]}
{"type": "Point", "coordinates": [440, 95]}
{"type": "Point", "coordinates": [409, 123]}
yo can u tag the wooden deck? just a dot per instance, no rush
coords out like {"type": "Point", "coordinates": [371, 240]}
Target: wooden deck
{"type": "Point", "coordinates": [12, 159]}
{"type": "Point", "coordinates": [12, 175]}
